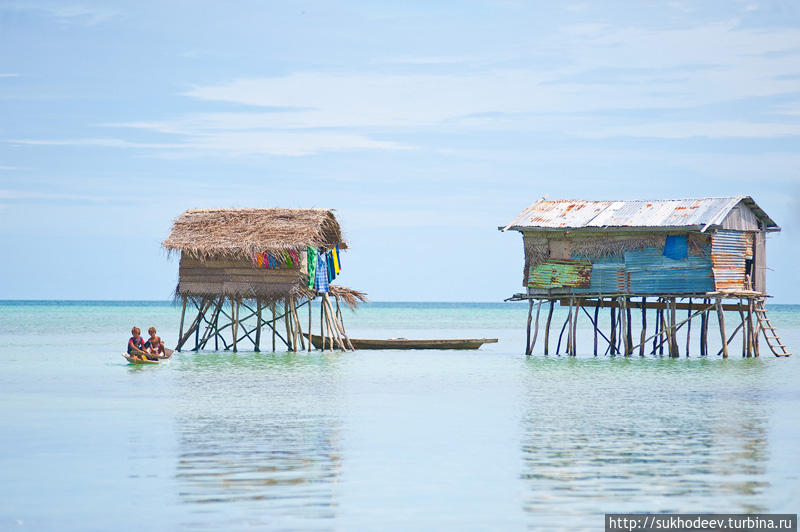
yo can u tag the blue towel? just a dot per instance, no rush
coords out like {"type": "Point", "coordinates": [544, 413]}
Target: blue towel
{"type": "Point", "coordinates": [321, 284]}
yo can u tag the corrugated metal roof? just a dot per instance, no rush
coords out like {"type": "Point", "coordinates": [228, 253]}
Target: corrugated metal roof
{"type": "Point", "coordinates": [575, 214]}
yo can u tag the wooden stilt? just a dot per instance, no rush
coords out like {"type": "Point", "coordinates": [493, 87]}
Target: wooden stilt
{"type": "Point", "coordinates": [673, 318]}
{"type": "Point", "coordinates": [535, 328]}
{"type": "Point", "coordinates": [575, 331]}
{"type": "Point", "coordinates": [528, 336]}
{"type": "Point", "coordinates": [287, 324]}
{"type": "Point", "coordinates": [756, 332]}
{"type": "Point", "coordinates": [721, 317]}
{"type": "Point", "coordinates": [644, 327]}
{"type": "Point", "coordinates": [216, 331]}
{"type": "Point", "coordinates": [547, 327]}
{"type": "Point", "coordinates": [614, 328]}
{"type": "Point", "coordinates": [749, 327]}
{"type": "Point", "coordinates": [568, 350]}
{"type": "Point", "coordinates": [183, 314]}
{"type": "Point", "coordinates": [745, 333]}
{"type": "Point", "coordinates": [689, 328]}
{"type": "Point", "coordinates": [309, 324]}
{"type": "Point", "coordinates": [257, 347]}
{"type": "Point", "coordinates": [274, 325]}
{"type": "Point", "coordinates": [235, 323]}
{"type": "Point", "coordinates": [629, 325]}
{"type": "Point", "coordinates": [561, 334]}
{"type": "Point", "coordinates": [594, 323]}
{"type": "Point", "coordinates": [623, 316]}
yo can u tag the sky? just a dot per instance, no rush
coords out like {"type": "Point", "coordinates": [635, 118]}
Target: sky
{"type": "Point", "coordinates": [426, 125]}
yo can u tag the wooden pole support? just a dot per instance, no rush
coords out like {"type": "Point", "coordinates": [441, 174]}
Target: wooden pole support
{"type": "Point", "coordinates": [723, 336]}
{"type": "Point", "coordinates": [547, 327]}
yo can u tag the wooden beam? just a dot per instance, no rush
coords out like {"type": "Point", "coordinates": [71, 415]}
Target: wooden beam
{"type": "Point", "coordinates": [547, 327]}
{"type": "Point", "coordinates": [586, 302]}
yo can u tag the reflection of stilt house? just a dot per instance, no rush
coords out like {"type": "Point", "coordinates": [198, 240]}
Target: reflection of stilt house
{"type": "Point", "coordinates": [247, 269]}
{"type": "Point", "coordinates": [708, 253]}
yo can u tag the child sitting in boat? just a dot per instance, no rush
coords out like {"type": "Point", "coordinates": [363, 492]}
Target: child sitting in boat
{"type": "Point", "coordinates": [135, 342]}
{"type": "Point", "coordinates": [154, 345]}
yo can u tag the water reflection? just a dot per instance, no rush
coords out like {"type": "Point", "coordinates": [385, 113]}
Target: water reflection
{"type": "Point", "coordinates": [642, 435]}
{"type": "Point", "coordinates": [260, 432]}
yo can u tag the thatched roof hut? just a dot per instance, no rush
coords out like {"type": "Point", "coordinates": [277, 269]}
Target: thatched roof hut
{"type": "Point", "coordinates": [239, 233]}
{"type": "Point", "coordinates": [218, 249]}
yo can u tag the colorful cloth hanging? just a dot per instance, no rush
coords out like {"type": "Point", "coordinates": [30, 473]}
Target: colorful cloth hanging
{"type": "Point", "coordinates": [311, 260]}
{"type": "Point", "coordinates": [331, 268]}
{"type": "Point", "coordinates": [287, 259]}
{"type": "Point", "coordinates": [335, 254]}
{"type": "Point", "coordinates": [260, 260]}
{"type": "Point", "coordinates": [321, 283]}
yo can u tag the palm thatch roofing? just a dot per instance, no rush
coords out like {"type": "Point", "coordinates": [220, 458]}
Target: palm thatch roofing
{"type": "Point", "coordinates": [240, 233]}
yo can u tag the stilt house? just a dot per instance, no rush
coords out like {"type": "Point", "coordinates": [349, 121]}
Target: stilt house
{"type": "Point", "coordinates": [259, 260]}
{"type": "Point", "coordinates": [619, 253]}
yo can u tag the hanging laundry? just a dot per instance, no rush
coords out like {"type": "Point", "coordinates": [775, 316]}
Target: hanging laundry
{"type": "Point", "coordinates": [288, 259]}
{"type": "Point", "coordinates": [260, 260]}
{"type": "Point", "coordinates": [311, 258]}
{"type": "Point", "coordinates": [331, 269]}
{"type": "Point", "coordinates": [335, 254]}
{"type": "Point", "coordinates": [321, 283]}
{"type": "Point", "coordinates": [295, 257]}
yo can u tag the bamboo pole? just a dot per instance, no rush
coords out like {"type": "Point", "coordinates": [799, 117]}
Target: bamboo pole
{"type": "Point", "coordinates": [322, 322]}
{"type": "Point", "coordinates": [535, 328]}
{"type": "Point", "coordinates": [547, 327]}
{"type": "Point", "coordinates": [309, 324]}
{"type": "Point", "coordinates": [721, 317]}
{"type": "Point", "coordinates": [340, 324]}
{"type": "Point", "coordinates": [643, 335]}
{"type": "Point", "coordinates": [732, 336]}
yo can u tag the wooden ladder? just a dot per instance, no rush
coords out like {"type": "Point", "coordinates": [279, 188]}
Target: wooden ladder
{"type": "Point", "coordinates": [770, 335]}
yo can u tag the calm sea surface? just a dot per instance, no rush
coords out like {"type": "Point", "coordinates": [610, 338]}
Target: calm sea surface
{"type": "Point", "coordinates": [379, 440]}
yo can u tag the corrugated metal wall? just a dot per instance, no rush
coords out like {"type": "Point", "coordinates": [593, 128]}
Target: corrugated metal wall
{"type": "Point", "coordinates": [559, 273]}
{"type": "Point", "coordinates": [729, 251]}
{"type": "Point", "coordinates": [645, 271]}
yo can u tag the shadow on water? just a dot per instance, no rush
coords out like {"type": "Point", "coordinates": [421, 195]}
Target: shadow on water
{"type": "Point", "coordinates": [625, 435]}
{"type": "Point", "coordinates": [259, 432]}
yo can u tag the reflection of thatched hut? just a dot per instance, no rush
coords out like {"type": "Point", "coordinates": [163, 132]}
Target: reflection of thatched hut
{"type": "Point", "coordinates": [259, 259]}
{"type": "Point", "coordinates": [618, 253]}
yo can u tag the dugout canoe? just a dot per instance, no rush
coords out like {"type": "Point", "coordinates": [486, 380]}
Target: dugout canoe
{"type": "Point", "coordinates": [404, 343]}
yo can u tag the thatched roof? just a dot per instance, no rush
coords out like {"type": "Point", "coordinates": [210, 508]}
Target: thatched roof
{"type": "Point", "coordinates": [239, 233]}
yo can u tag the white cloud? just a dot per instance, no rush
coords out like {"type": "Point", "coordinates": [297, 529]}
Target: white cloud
{"type": "Point", "coordinates": [67, 13]}
{"type": "Point", "coordinates": [9, 75]}
{"type": "Point", "coordinates": [715, 129]}
{"type": "Point", "coordinates": [231, 143]}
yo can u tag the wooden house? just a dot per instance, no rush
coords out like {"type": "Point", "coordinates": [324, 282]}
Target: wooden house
{"type": "Point", "coordinates": [620, 253]}
{"type": "Point", "coordinates": [256, 259]}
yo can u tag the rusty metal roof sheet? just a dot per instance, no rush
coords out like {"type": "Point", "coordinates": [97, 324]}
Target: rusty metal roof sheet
{"type": "Point", "coordinates": [576, 214]}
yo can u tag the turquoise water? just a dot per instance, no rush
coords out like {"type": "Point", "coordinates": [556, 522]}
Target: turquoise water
{"type": "Point", "coordinates": [426, 440]}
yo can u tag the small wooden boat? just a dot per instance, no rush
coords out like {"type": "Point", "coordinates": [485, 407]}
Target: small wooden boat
{"type": "Point", "coordinates": [403, 343]}
{"type": "Point", "coordinates": [146, 358]}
